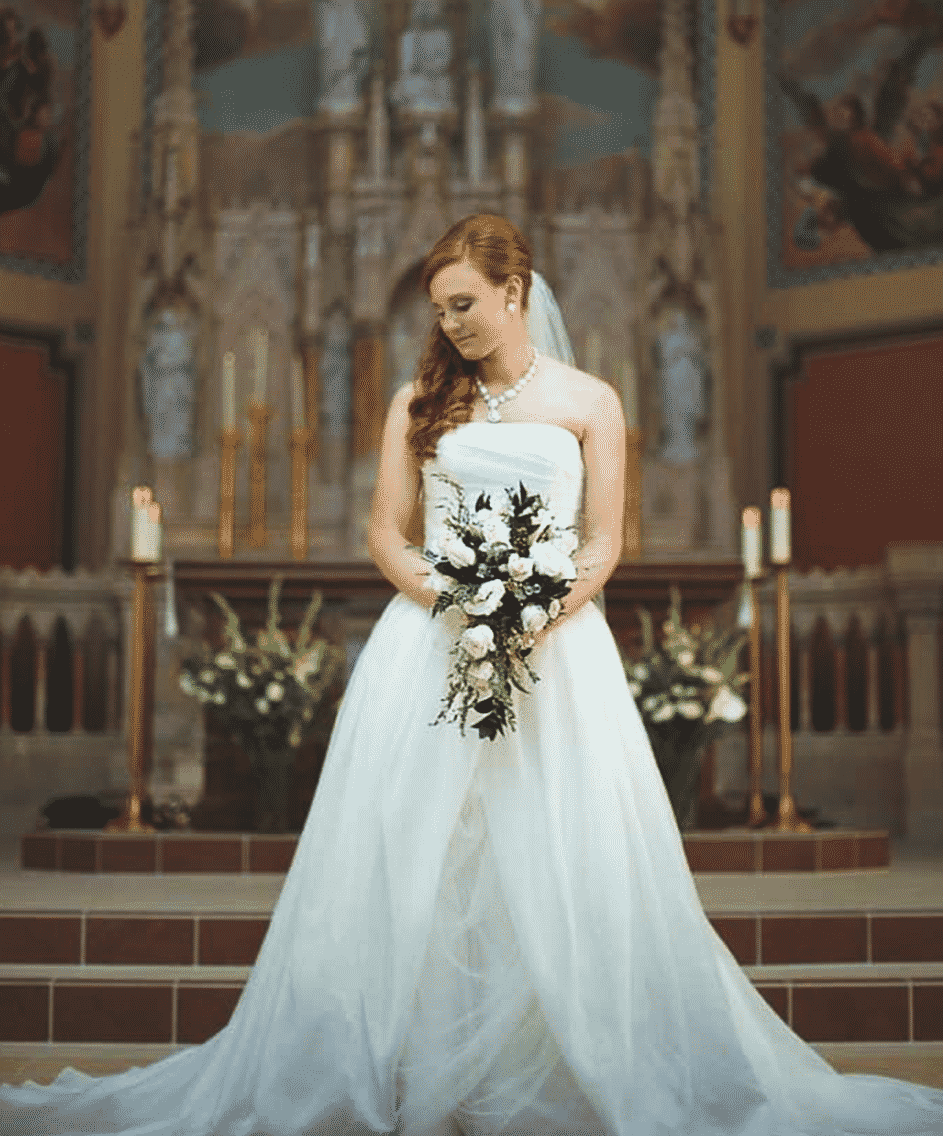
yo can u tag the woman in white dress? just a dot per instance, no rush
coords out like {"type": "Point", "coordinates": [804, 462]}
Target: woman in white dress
{"type": "Point", "coordinates": [475, 936]}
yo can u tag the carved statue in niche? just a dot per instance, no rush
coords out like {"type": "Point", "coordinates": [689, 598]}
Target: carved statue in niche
{"type": "Point", "coordinates": [167, 369]}
{"type": "Point", "coordinates": [681, 362]}
{"type": "Point", "coordinates": [425, 55]}
{"type": "Point", "coordinates": [344, 42]}
{"type": "Point", "coordinates": [515, 29]}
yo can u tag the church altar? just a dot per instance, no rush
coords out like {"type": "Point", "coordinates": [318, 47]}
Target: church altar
{"type": "Point", "coordinates": [354, 595]}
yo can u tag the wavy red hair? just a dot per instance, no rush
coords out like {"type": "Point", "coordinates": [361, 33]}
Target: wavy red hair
{"type": "Point", "coordinates": [445, 385]}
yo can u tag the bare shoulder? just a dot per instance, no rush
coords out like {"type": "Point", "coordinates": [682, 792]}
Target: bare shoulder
{"type": "Point", "coordinates": [584, 396]}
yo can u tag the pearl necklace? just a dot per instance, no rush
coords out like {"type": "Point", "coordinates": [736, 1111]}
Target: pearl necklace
{"type": "Point", "coordinates": [494, 403]}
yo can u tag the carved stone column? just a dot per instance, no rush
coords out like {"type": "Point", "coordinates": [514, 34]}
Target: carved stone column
{"type": "Point", "coordinates": [916, 570]}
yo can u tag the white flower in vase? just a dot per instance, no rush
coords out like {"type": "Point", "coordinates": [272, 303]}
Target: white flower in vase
{"type": "Point", "coordinates": [219, 698]}
{"type": "Point", "coordinates": [635, 689]}
{"type": "Point", "coordinates": [261, 705]}
{"type": "Point", "coordinates": [711, 674]}
{"type": "Point", "coordinates": [686, 658]}
{"type": "Point", "coordinates": [225, 661]}
{"type": "Point", "coordinates": [640, 671]}
{"type": "Point", "coordinates": [727, 706]}
{"type": "Point", "coordinates": [477, 641]}
{"type": "Point", "coordinates": [690, 709]}
{"type": "Point", "coordinates": [664, 713]}
{"type": "Point", "coordinates": [207, 675]}
{"type": "Point", "coordinates": [187, 685]}
{"type": "Point", "coordinates": [243, 680]}
{"type": "Point", "coordinates": [274, 692]}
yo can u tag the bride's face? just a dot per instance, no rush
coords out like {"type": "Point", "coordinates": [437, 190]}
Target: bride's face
{"type": "Point", "coordinates": [471, 311]}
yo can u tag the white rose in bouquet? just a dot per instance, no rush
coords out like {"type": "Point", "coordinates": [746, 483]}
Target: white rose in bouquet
{"type": "Point", "coordinates": [437, 582]}
{"type": "Point", "coordinates": [480, 674]}
{"type": "Point", "coordinates": [457, 552]}
{"type": "Point", "coordinates": [493, 527]}
{"type": "Point", "coordinates": [477, 641]}
{"type": "Point", "coordinates": [550, 561]}
{"type": "Point", "coordinates": [726, 705]}
{"type": "Point", "coordinates": [543, 518]}
{"type": "Point", "coordinates": [566, 541]}
{"type": "Point", "coordinates": [534, 618]}
{"type": "Point", "coordinates": [553, 608]}
{"type": "Point", "coordinates": [487, 598]}
{"type": "Point", "coordinates": [519, 567]}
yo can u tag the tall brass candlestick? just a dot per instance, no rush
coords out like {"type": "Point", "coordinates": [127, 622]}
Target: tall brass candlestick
{"type": "Point", "coordinates": [632, 547]}
{"type": "Point", "coordinates": [789, 820]}
{"type": "Point", "coordinates": [758, 814]}
{"type": "Point", "coordinates": [299, 493]}
{"type": "Point", "coordinates": [229, 442]}
{"type": "Point", "coordinates": [140, 699]}
{"type": "Point", "coordinates": [259, 415]}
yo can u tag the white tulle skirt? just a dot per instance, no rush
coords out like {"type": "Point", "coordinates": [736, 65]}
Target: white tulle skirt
{"type": "Point", "coordinates": [481, 937]}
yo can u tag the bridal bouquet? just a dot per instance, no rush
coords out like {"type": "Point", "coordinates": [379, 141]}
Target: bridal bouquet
{"type": "Point", "coordinates": [686, 691]}
{"type": "Point", "coordinates": [507, 570]}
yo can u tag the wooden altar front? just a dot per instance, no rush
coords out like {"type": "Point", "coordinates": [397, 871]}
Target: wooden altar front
{"type": "Point", "coordinates": [355, 594]}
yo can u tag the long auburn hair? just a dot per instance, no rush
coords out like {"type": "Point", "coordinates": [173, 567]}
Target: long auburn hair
{"type": "Point", "coordinates": [445, 388]}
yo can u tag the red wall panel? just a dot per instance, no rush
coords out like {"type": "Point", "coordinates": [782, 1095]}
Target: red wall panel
{"type": "Point", "coordinates": [866, 452]}
{"type": "Point", "coordinates": [32, 457]}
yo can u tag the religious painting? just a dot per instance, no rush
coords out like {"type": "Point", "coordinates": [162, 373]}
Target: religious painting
{"type": "Point", "coordinates": [44, 136]}
{"type": "Point", "coordinates": [855, 138]}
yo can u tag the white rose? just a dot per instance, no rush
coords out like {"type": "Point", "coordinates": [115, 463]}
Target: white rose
{"type": "Point", "coordinates": [457, 552]}
{"type": "Point", "coordinates": [543, 518]}
{"type": "Point", "coordinates": [274, 692]}
{"type": "Point", "coordinates": [480, 674]}
{"type": "Point", "coordinates": [712, 674]}
{"type": "Point", "coordinates": [664, 713]}
{"type": "Point", "coordinates": [553, 609]}
{"type": "Point", "coordinates": [519, 567]}
{"type": "Point", "coordinates": [494, 528]}
{"type": "Point", "coordinates": [651, 702]}
{"type": "Point", "coordinates": [243, 680]}
{"type": "Point", "coordinates": [207, 675]}
{"type": "Point", "coordinates": [726, 705]}
{"type": "Point", "coordinates": [534, 618]}
{"type": "Point", "coordinates": [219, 698]}
{"type": "Point", "coordinates": [477, 641]}
{"type": "Point", "coordinates": [203, 695]}
{"type": "Point", "coordinates": [566, 541]}
{"type": "Point", "coordinates": [552, 562]}
{"type": "Point", "coordinates": [686, 658]}
{"type": "Point", "coordinates": [640, 671]}
{"type": "Point", "coordinates": [187, 685]}
{"type": "Point", "coordinates": [261, 705]}
{"type": "Point", "coordinates": [690, 709]}
{"type": "Point", "coordinates": [437, 582]}
{"type": "Point", "coordinates": [635, 689]}
{"type": "Point", "coordinates": [487, 598]}
{"type": "Point", "coordinates": [227, 662]}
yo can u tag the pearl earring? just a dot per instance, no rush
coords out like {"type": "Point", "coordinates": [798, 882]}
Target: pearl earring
{"type": "Point", "coordinates": [511, 307]}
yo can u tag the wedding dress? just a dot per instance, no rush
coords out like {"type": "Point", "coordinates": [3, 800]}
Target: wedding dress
{"type": "Point", "coordinates": [479, 937]}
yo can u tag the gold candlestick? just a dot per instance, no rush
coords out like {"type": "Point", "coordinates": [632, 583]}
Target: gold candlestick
{"type": "Point", "coordinates": [758, 814]}
{"type": "Point", "coordinates": [229, 442]}
{"type": "Point", "coordinates": [299, 493]}
{"type": "Point", "coordinates": [259, 415]}
{"type": "Point", "coordinates": [632, 547]}
{"type": "Point", "coordinates": [140, 699]}
{"type": "Point", "coordinates": [789, 820]}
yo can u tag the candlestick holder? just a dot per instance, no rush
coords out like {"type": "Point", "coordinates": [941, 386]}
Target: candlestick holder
{"type": "Point", "coordinates": [788, 820]}
{"type": "Point", "coordinates": [140, 697]}
{"type": "Point", "coordinates": [632, 546]}
{"type": "Point", "coordinates": [259, 416]}
{"type": "Point", "coordinates": [229, 442]}
{"type": "Point", "coordinates": [299, 492]}
{"type": "Point", "coordinates": [758, 814]}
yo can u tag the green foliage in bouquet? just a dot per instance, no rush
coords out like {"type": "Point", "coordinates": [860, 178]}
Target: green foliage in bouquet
{"type": "Point", "coordinates": [265, 694]}
{"type": "Point", "coordinates": [686, 691]}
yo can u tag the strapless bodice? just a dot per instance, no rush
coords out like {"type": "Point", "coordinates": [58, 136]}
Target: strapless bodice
{"type": "Point", "coordinates": [492, 457]}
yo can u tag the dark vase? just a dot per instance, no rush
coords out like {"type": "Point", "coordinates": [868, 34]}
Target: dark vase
{"type": "Point", "coordinates": [272, 769]}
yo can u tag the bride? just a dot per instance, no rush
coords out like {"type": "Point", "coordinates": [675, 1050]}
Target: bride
{"type": "Point", "coordinates": [482, 937]}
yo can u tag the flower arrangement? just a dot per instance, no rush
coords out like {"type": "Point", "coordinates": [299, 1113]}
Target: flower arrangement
{"type": "Point", "coordinates": [506, 570]}
{"type": "Point", "coordinates": [685, 690]}
{"type": "Point", "coordinates": [266, 694]}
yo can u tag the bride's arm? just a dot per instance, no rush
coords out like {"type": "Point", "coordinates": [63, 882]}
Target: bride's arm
{"type": "Point", "coordinates": [394, 497]}
{"type": "Point", "coordinates": [604, 503]}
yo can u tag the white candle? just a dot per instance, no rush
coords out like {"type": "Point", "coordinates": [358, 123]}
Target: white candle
{"type": "Point", "coordinates": [261, 364]}
{"type": "Point", "coordinates": [780, 551]}
{"type": "Point", "coordinates": [229, 390]}
{"type": "Point", "coordinates": [630, 394]}
{"type": "Point", "coordinates": [140, 499]}
{"type": "Point", "coordinates": [154, 532]}
{"type": "Point", "coordinates": [750, 542]}
{"type": "Point", "coordinates": [297, 393]}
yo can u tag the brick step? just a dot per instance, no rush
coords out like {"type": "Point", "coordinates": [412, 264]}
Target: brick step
{"type": "Point", "coordinates": [176, 934]}
{"type": "Point", "coordinates": [171, 1005]}
{"type": "Point", "coordinates": [730, 850]}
